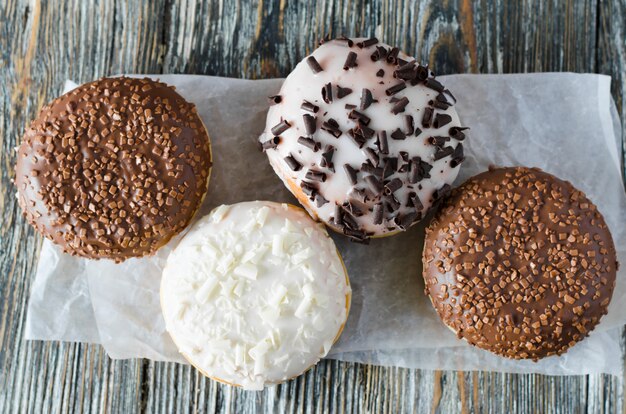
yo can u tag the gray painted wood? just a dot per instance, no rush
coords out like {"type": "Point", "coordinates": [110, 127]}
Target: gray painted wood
{"type": "Point", "coordinates": [44, 43]}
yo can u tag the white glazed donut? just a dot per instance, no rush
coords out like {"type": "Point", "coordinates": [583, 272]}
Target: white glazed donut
{"type": "Point", "coordinates": [255, 294]}
{"type": "Point", "coordinates": [364, 137]}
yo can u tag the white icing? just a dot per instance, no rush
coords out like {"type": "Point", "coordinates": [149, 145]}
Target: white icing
{"type": "Point", "coordinates": [242, 318]}
{"type": "Point", "coordinates": [302, 84]}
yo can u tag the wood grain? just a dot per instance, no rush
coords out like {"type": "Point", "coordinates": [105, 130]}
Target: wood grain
{"type": "Point", "coordinates": [44, 43]}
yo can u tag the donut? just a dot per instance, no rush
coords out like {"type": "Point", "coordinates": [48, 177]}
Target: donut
{"type": "Point", "coordinates": [520, 263]}
{"type": "Point", "coordinates": [364, 137]}
{"type": "Point", "coordinates": [255, 294]}
{"type": "Point", "coordinates": [114, 168]}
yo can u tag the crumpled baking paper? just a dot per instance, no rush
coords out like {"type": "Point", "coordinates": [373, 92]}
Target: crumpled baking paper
{"type": "Point", "coordinates": [563, 123]}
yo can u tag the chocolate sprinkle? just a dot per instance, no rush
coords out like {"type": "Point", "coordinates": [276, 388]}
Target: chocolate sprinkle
{"type": "Point", "coordinates": [292, 163]}
{"type": "Point", "coordinates": [351, 173]}
{"type": "Point", "coordinates": [400, 105]}
{"type": "Point", "coordinates": [428, 116]}
{"type": "Point", "coordinates": [442, 120]}
{"type": "Point", "coordinates": [274, 99]}
{"type": "Point", "coordinates": [309, 107]}
{"type": "Point", "coordinates": [314, 64]}
{"type": "Point", "coordinates": [395, 88]}
{"type": "Point", "coordinates": [327, 93]}
{"type": "Point", "coordinates": [309, 124]}
{"type": "Point", "coordinates": [416, 202]}
{"type": "Point", "coordinates": [366, 99]}
{"type": "Point", "coordinates": [280, 127]}
{"type": "Point", "coordinates": [398, 134]}
{"type": "Point", "coordinates": [309, 143]}
{"type": "Point", "coordinates": [350, 61]}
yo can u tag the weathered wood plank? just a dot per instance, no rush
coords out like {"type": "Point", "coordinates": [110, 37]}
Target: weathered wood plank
{"type": "Point", "coordinates": [42, 44]}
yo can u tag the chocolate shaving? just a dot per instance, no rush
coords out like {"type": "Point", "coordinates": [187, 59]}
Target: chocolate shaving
{"type": "Point", "coordinates": [391, 165]}
{"type": "Point", "coordinates": [308, 188]}
{"type": "Point", "coordinates": [349, 106]}
{"type": "Point", "coordinates": [419, 170]}
{"type": "Point", "coordinates": [410, 125]}
{"type": "Point", "coordinates": [438, 141]}
{"type": "Point", "coordinates": [400, 105]}
{"type": "Point", "coordinates": [314, 64]}
{"type": "Point", "coordinates": [398, 134]}
{"type": "Point", "coordinates": [393, 186]}
{"type": "Point", "coordinates": [440, 193]}
{"type": "Point", "coordinates": [332, 127]}
{"type": "Point", "coordinates": [366, 99]}
{"type": "Point", "coordinates": [372, 156]}
{"type": "Point", "coordinates": [442, 120]}
{"type": "Point", "coordinates": [327, 93]}
{"type": "Point", "coordinates": [358, 236]}
{"type": "Point", "coordinates": [309, 107]}
{"type": "Point", "coordinates": [356, 136]}
{"type": "Point", "coordinates": [380, 73]}
{"type": "Point", "coordinates": [338, 215]}
{"type": "Point", "coordinates": [319, 200]}
{"type": "Point", "coordinates": [274, 99]}
{"type": "Point", "coordinates": [457, 133]}
{"type": "Point", "coordinates": [404, 221]}
{"type": "Point", "coordinates": [360, 117]}
{"type": "Point", "coordinates": [392, 56]}
{"type": "Point", "coordinates": [443, 152]}
{"type": "Point", "coordinates": [315, 176]}
{"type": "Point", "coordinates": [415, 201]}
{"type": "Point", "coordinates": [457, 156]}
{"type": "Point", "coordinates": [439, 105]}
{"type": "Point", "coordinates": [428, 116]}
{"type": "Point", "coordinates": [351, 173]}
{"type": "Point", "coordinates": [367, 43]}
{"type": "Point", "coordinates": [417, 132]}
{"type": "Point", "coordinates": [382, 143]}
{"type": "Point", "coordinates": [280, 127]}
{"type": "Point", "coordinates": [391, 202]}
{"type": "Point", "coordinates": [395, 88]}
{"type": "Point", "coordinates": [421, 73]}
{"type": "Point", "coordinates": [270, 143]}
{"type": "Point", "coordinates": [350, 61]}
{"type": "Point", "coordinates": [348, 219]}
{"type": "Point", "coordinates": [374, 184]}
{"type": "Point", "coordinates": [365, 131]}
{"type": "Point", "coordinates": [309, 143]}
{"type": "Point", "coordinates": [292, 163]}
{"type": "Point", "coordinates": [343, 92]}
{"type": "Point", "coordinates": [434, 84]}
{"type": "Point", "coordinates": [327, 158]}
{"type": "Point", "coordinates": [378, 213]}
{"type": "Point", "coordinates": [367, 167]}
{"type": "Point", "coordinates": [309, 124]}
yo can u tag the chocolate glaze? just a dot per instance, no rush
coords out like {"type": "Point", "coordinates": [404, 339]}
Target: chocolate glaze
{"type": "Point", "coordinates": [520, 263]}
{"type": "Point", "coordinates": [114, 168]}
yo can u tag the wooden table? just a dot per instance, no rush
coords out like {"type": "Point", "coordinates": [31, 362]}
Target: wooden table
{"type": "Point", "coordinates": [44, 43]}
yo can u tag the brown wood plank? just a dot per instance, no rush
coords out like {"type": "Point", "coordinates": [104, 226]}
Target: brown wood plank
{"type": "Point", "coordinates": [42, 44]}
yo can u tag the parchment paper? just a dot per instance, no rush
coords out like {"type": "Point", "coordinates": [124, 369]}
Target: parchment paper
{"type": "Point", "coordinates": [562, 122]}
